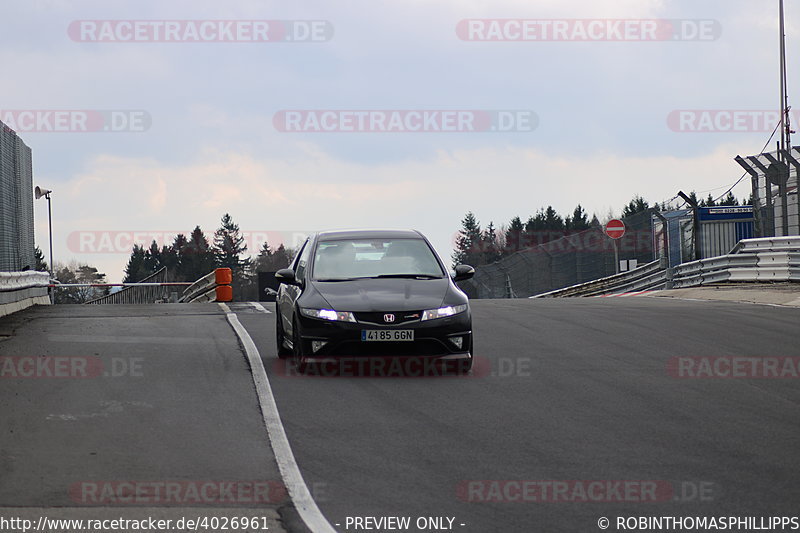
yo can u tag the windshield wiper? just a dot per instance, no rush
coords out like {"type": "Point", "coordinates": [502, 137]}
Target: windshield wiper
{"type": "Point", "coordinates": [408, 276]}
{"type": "Point", "coordinates": [332, 280]}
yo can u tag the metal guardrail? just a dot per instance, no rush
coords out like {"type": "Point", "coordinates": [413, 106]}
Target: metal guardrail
{"type": "Point", "coordinates": [16, 281]}
{"type": "Point", "coordinates": [655, 281]}
{"type": "Point", "coordinates": [767, 244]}
{"type": "Point", "coordinates": [156, 289]}
{"type": "Point", "coordinates": [147, 291]}
{"type": "Point", "coordinates": [761, 267]}
{"type": "Point", "coordinates": [767, 259]}
{"type": "Point", "coordinates": [19, 290]}
{"type": "Point", "coordinates": [202, 290]}
{"type": "Point", "coordinates": [646, 276]}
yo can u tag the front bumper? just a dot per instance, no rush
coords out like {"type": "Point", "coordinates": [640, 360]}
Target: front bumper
{"type": "Point", "coordinates": [432, 339]}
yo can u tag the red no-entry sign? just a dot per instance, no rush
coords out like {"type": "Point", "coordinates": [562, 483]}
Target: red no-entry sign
{"type": "Point", "coordinates": [615, 228]}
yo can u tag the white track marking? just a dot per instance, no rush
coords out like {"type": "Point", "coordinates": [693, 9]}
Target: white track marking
{"type": "Point", "coordinates": [259, 307]}
{"type": "Point", "coordinates": [224, 307]}
{"type": "Point", "coordinates": [290, 472]}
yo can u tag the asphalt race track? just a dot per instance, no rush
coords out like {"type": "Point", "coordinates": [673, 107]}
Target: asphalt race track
{"type": "Point", "coordinates": [577, 409]}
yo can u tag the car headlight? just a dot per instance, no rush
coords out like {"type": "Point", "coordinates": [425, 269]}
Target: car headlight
{"type": "Point", "coordinates": [442, 312]}
{"type": "Point", "coordinates": [329, 314]}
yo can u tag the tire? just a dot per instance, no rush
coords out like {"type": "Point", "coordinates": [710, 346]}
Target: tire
{"type": "Point", "coordinates": [280, 336]}
{"type": "Point", "coordinates": [297, 349]}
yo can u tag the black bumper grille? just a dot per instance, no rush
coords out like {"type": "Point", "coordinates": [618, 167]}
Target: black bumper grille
{"type": "Point", "coordinates": [422, 348]}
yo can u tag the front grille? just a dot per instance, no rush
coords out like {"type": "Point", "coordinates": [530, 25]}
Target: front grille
{"type": "Point", "coordinates": [400, 317]}
{"type": "Point", "coordinates": [423, 348]}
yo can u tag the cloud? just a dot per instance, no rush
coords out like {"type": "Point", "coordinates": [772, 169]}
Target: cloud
{"type": "Point", "coordinates": [212, 147]}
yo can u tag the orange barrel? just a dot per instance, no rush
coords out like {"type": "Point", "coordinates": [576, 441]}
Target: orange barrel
{"type": "Point", "coordinates": [223, 276]}
{"type": "Point", "coordinates": [224, 293]}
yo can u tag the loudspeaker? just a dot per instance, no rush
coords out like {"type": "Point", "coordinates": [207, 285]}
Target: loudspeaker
{"type": "Point", "coordinates": [41, 192]}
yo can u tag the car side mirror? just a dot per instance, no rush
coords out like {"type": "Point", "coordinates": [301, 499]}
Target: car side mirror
{"type": "Point", "coordinates": [286, 275]}
{"type": "Point", "coordinates": [463, 272]}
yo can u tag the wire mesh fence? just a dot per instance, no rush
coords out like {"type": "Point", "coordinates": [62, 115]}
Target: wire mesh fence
{"type": "Point", "coordinates": [574, 258]}
{"type": "Point", "coordinates": [774, 179]}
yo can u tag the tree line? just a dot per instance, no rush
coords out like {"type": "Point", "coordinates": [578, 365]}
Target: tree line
{"type": "Point", "coordinates": [187, 258]}
{"type": "Point", "coordinates": [478, 246]}
{"type": "Point", "coordinates": [191, 257]}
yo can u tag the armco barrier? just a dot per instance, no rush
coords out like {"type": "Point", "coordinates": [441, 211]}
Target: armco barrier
{"type": "Point", "coordinates": [767, 244]}
{"type": "Point", "coordinates": [773, 259]}
{"type": "Point", "coordinates": [649, 276]}
{"type": "Point", "coordinates": [19, 290]}
{"type": "Point", "coordinates": [213, 287]}
{"type": "Point", "coordinates": [759, 267]}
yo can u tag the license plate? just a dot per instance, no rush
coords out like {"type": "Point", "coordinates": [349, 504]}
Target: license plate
{"type": "Point", "coordinates": [387, 335]}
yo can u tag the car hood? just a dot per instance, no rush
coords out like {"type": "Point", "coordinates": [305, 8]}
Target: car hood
{"type": "Point", "coordinates": [375, 295]}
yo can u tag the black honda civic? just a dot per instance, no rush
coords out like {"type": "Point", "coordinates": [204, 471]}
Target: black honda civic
{"type": "Point", "coordinates": [375, 299]}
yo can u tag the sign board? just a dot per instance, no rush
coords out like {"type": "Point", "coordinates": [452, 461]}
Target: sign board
{"type": "Point", "coordinates": [615, 228]}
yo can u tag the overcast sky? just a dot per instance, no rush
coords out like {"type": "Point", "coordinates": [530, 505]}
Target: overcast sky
{"type": "Point", "coordinates": [205, 131]}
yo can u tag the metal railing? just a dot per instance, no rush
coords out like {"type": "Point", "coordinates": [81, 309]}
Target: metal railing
{"type": "Point", "coordinates": [151, 289]}
{"type": "Point", "coordinates": [650, 276]}
{"type": "Point", "coordinates": [19, 290]}
{"type": "Point", "coordinates": [202, 290]}
{"type": "Point", "coordinates": [767, 244]}
{"type": "Point", "coordinates": [15, 281]}
{"type": "Point", "coordinates": [768, 259]}
{"type": "Point", "coordinates": [761, 267]}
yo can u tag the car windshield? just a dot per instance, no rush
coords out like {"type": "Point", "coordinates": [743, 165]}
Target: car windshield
{"type": "Point", "coordinates": [369, 258]}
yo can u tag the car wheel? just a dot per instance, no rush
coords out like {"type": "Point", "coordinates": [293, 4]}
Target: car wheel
{"type": "Point", "coordinates": [297, 349]}
{"type": "Point", "coordinates": [280, 337]}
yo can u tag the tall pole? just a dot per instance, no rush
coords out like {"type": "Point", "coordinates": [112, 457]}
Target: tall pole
{"type": "Point", "coordinates": [786, 118]}
{"type": "Point", "coordinates": [785, 148]}
{"type": "Point", "coordinates": [784, 113]}
{"type": "Point", "coordinates": [50, 228]}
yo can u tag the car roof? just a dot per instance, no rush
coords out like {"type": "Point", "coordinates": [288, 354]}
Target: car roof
{"type": "Point", "coordinates": [335, 235]}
